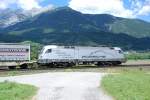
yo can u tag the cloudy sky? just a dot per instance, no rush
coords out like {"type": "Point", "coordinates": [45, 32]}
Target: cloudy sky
{"type": "Point", "coordinates": [121, 8]}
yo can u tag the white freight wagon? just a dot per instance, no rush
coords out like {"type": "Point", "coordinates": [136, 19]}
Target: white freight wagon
{"type": "Point", "coordinates": [71, 55]}
{"type": "Point", "coordinates": [12, 55]}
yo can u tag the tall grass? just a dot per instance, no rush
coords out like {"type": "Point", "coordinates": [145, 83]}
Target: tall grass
{"type": "Point", "coordinates": [128, 86]}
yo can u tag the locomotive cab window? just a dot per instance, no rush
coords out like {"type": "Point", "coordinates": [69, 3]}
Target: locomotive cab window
{"type": "Point", "coordinates": [49, 51]}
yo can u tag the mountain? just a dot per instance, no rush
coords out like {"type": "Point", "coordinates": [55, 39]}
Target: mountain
{"type": "Point", "coordinates": [69, 27]}
{"type": "Point", "coordinates": [11, 16]}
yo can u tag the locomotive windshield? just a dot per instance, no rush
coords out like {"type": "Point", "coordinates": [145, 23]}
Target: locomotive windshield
{"type": "Point", "coordinates": [120, 51]}
{"type": "Point", "coordinates": [49, 51]}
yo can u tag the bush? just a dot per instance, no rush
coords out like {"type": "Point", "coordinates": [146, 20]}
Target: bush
{"type": "Point", "coordinates": [35, 48]}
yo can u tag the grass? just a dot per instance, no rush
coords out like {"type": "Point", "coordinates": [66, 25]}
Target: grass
{"type": "Point", "coordinates": [128, 85]}
{"type": "Point", "coordinates": [138, 56]}
{"type": "Point", "coordinates": [14, 91]}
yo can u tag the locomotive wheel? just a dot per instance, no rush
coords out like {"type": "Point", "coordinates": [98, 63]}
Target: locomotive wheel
{"type": "Point", "coordinates": [116, 63]}
{"type": "Point", "coordinates": [24, 66]}
{"type": "Point", "coordinates": [12, 67]}
{"type": "Point", "coordinates": [104, 64]}
{"type": "Point", "coordinates": [51, 65]}
{"type": "Point", "coordinates": [101, 64]}
{"type": "Point", "coordinates": [64, 65]}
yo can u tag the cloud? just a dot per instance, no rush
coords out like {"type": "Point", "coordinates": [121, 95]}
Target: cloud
{"type": "Point", "coordinates": [3, 6]}
{"type": "Point", "coordinates": [145, 9]}
{"type": "Point", "coordinates": [28, 4]}
{"type": "Point", "coordinates": [24, 4]}
{"type": "Point", "coordinates": [113, 7]}
{"type": "Point", "coordinates": [41, 10]}
{"type": "Point", "coordinates": [5, 3]}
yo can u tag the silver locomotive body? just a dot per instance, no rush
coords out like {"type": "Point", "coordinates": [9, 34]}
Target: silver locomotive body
{"type": "Point", "coordinates": [80, 54]}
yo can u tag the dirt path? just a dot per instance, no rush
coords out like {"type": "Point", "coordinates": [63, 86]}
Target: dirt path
{"type": "Point", "coordinates": [65, 86]}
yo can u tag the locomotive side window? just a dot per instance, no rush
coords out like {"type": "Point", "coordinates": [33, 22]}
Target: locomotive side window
{"type": "Point", "coordinates": [49, 51]}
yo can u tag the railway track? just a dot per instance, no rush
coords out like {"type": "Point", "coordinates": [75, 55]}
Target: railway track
{"type": "Point", "coordinates": [106, 69]}
{"type": "Point", "coordinates": [129, 64]}
{"type": "Point", "coordinates": [80, 67]}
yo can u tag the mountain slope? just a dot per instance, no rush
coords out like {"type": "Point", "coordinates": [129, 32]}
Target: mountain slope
{"type": "Point", "coordinates": [66, 26]}
{"type": "Point", "coordinates": [90, 39]}
{"type": "Point", "coordinates": [133, 27]}
{"type": "Point", "coordinates": [67, 20]}
{"type": "Point", "coordinates": [59, 20]}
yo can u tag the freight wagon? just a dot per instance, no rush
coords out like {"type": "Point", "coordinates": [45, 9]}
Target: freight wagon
{"type": "Point", "coordinates": [13, 55]}
{"type": "Point", "coordinates": [53, 55]}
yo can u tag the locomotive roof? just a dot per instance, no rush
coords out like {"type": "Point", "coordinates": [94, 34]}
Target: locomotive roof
{"type": "Point", "coordinates": [56, 46]}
